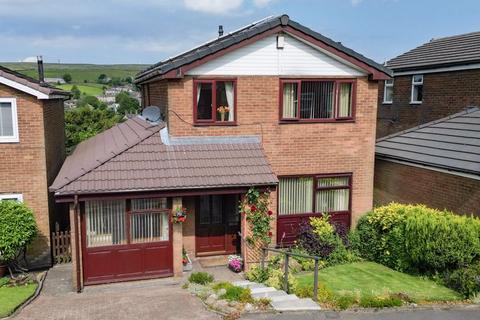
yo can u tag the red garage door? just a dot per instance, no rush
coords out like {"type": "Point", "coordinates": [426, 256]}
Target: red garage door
{"type": "Point", "coordinates": [120, 244]}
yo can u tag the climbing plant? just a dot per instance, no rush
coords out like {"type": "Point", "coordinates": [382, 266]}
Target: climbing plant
{"type": "Point", "coordinates": [255, 207]}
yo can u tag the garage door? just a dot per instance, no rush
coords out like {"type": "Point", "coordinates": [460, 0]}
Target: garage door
{"type": "Point", "coordinates": [126, 240]}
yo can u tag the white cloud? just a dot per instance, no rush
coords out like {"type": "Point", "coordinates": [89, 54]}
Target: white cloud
{"type": "Point", "coordinates": [355, 2]}
{"type": "Point", "coordinates": [262, 3]}
{"type": "Point", "coordinates": [213, 6]}
{"type": "Point", "coordinates": [30, 59]}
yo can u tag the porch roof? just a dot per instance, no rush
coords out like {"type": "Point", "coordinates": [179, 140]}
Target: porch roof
{"type": "Point", "coordinates": [132, 157]}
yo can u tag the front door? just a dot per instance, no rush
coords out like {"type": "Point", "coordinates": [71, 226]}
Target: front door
{"type": "Point", "coordinates": [217, 224]}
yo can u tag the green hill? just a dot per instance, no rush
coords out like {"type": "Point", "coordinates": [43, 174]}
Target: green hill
{"type": "Point", "coordinates": [79, 72]}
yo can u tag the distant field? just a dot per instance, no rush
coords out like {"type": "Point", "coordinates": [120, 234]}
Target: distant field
{"type": "Point", "coordinates": [79, 72]}
{"type": "Point", "coordinates": [90, 89]}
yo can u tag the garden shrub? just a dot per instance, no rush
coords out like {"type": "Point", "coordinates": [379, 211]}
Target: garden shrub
{"type": "Point", "coordinates": [276, 279]}
{"type": "Point", "coordinates": [306, 291]}
{"type": "Point", "coordinates": [345, 301]}
{"type": "Point", "coordinates": [17, 228]}
{"type": "Point", "coordinates": [380, 302]}
{"type": "Point", "coordinates": [202, 278]}
{"type": "Point", "coordinates": [416, 238]}
{"type": "Point", "coordinates": [465, 280]}
{"type": "Point", "coordinates": [234, 293]}
{"type": "Point", "coordinates": [257, 274]}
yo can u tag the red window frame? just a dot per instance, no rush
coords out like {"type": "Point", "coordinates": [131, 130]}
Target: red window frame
{"type": "Point", "coordinates": [316, 188]}
{"type": "Point", "coordinates": [213, 120]}
{"type": "Point", "coordinates": [336, 105]}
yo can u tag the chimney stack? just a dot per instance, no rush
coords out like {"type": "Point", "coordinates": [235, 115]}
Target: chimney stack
{"type": "Point", "coordinates": [220, 31]}
{"type": "Point", "coordinates": [41, 74]}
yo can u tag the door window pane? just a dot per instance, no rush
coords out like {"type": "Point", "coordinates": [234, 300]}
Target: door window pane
{"type": "Point", "coordinates": [204, 101]}
{"type": "Point", "coordinates": [149, 227]}
{"type": "Point", "coordinates": [204, 210]}
{"type": "Point", "coordinates": [6, 119]}
{"type": "Point", "coordinates": [290, 100]}
{"type": "Point", "coordinates": [216, 210]}
{"type": "Point", "coordinates": [105, 222]}
{"type": "Point", "coordinates": [295, 195]}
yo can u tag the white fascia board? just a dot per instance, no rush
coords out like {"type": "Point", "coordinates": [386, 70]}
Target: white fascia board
{"type": "Point", "coordinates": [23, 88]}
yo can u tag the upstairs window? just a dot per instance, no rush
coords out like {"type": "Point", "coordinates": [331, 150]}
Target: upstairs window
{"type": "Point", "coordinates": [214, 102]}
{"type": "Point", "coordinates": [388, 91]}
{"type": "Point", "coordinates": [8, 120]}
{"type": "Point", "coordinates": [417, 89]}
{"type": "Point", "coordinates": [11, 197]}
{"type": "Point", "coordinates": [317, 100]}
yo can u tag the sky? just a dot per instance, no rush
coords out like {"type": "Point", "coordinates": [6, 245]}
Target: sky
{"type": "Point", "coordinates": [148, 31]}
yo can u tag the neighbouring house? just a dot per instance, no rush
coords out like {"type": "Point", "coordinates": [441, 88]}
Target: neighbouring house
{"type": "Point", "coordinates": [32, 140]}
{"type": "Point", "coordinates": [436, 164]}
{"type": "Point", "coordinates": [273, 105]}
{"type": "Point", "coordinates": [55, 80]}
{"type": "Point", "coordinates": [432, 81]}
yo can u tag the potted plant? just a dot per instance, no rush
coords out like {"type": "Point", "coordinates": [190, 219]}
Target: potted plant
{"type": "Point", "coordinates": [235, 263]}
{"type": "Point", "coordinates": [223, 110]}
{"type": "Point", "coordinates": [179, 215]}
{"type": "Point", "coordinates": [187, 263]}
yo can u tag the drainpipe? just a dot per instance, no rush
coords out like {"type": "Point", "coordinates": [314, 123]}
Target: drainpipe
{"type": "Point", "coordinates": [76, 214]}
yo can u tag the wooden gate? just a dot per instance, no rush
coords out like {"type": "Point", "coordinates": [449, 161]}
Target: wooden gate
{"type": "Point", "coordinates": [61, 243]}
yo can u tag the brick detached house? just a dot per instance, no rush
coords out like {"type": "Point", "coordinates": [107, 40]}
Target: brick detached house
{"type": "Point", "coordinates": [430, 82]}
{"type": "Point", "coordinates": [437, 164]}
{"type": "Point", "coordinates": [273, 105]}
{"type": "Point", "coordinates": [32, 140]}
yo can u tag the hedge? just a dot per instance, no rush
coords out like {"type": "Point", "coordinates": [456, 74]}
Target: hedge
{"type": "Point", "coordinates": [417, 239]}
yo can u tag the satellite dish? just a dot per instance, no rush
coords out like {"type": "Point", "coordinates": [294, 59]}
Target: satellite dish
{"type": "Point", "coordinates": [152, 114]}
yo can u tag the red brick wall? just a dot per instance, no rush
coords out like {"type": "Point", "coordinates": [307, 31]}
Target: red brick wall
{"type": "Point", "coordinates": [27, 165]}
{"type": "Point", "coordinates": [443, 94]}
{"type": "Point", "coordinates": [292, 148]}
{"type": "Point", "coordinates": [407, 184]}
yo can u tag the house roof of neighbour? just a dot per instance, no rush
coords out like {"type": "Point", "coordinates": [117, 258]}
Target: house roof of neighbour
{"type": "Point", "coordinates": [132, 156]}
{"type": "Point", "coordinates": [177, 63]}
{"type": "Point", "coordinates": [30, 85]}
{"type": "Point", "coordinates": [457, 50]}
{"type": "Point", "coordinates": [451, 143]}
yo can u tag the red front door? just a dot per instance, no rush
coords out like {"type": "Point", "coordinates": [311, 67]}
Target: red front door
{"type": "Point", "coordinates": [217, 224]}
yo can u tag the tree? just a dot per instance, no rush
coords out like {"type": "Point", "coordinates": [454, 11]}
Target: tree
{"type": "Point", "coordinates": [84, 122]}
{"type": "Point", "coordinates": [128, 80]}
{"type": "Point", "coordinates": [91, 101]}
{"type": "Point", "coordinates": [76, 92]}
{"type": "Point", "coordinates": [17, 229]}
{"type": "Point", "coordinates": [67, 77]}
{"type": "Point", "coordinates": [127, 104]}
{"type": "Point", "coordinates": [102, 78]}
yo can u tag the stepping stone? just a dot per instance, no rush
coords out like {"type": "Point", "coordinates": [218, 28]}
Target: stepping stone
{"type": "Point", "coordinates": [295, 305]}
{"type": "Point", "coordinates": [269, 294]}
{"type": "Point", "coordinates": [262, 290]}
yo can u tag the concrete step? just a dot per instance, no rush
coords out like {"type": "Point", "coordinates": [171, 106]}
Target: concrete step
{"type": "Point", "coordinates": [269, 294]}
{"type": "Point", "coordinates": [287, 297]}
{"type": "Point", "coordinates": [262, 290]}
{"type": "Point", "coordinates": [242, 283]}
{"type": "Point", "coordinates": [295, 305]}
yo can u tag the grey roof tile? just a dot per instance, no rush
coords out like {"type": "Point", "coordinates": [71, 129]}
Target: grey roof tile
{"type": "Point", "coordinates": [138, 160]}
{"type": "Point", "coordinates": [451, 143]}
{"type": "Point", "coordinates": [441, 52]}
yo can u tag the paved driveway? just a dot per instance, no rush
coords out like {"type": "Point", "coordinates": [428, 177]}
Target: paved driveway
{"type": "Point", "coordinates": [152, 299]}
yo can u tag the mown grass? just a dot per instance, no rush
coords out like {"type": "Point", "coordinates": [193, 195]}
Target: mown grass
{"type": "Point", "coordinates": [368, 279]}
{"type": "Point", "coordinates": [88, 89]}
{"type": "Point", "coordinates": [12, 297]}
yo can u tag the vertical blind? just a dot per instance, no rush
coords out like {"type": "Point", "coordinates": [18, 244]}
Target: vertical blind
{"type": "Point", "coordinates": [105, 222]}
{"type": "Point", "coordinates": [317, 99]}
{"type": "Point", "coordinates": [332, 194]}
{"type": "Point", "coordinates": [6, 120]}
{"type": "Point", "coordinates": [345, 100]}
{"type": "Point", "coordinates": [150, 226]}
{"type": "Point", "coordinates": [295, 195]}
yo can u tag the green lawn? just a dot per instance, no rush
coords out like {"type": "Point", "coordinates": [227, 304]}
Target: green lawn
{"type": "Point", "coordinates": [12, 297]}
{"type": "Point", "coordinates": [88, 89]}
{"type": "Point", "coordinates": [369, 278]}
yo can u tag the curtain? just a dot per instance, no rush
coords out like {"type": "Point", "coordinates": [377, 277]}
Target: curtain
{"type": "Point", "coordinates": [317, 99]}
{"type": "Point", "coordinates": [295, 195]}
{"type": "Point", "coordinates": [6, 121]}
{"type": "Point", "coordinates": [105, 222]}
{"type": "Point", "coordinates": [230, 100]}
{"type": "Point", "coordinates": [332, 200]}
{"type": "Point", "coordinates": [199, 90]}
{"type": "Point", "coordinates": [290, 100]}
{"type": "Point", "coordinates": [345, 108]}
{"type": "Point", "coordinates": [152, 225]}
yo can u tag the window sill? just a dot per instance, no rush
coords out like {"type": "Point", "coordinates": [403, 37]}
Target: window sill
{"type": "Point", "coordinates": [387, 102]}
{"type": "Point", "coordinates": [217, 124]}
{"type": "Point", "coordinates": [316, 121]}
{"type": "Point", "coordinates": [415, 102]}
{"type": "Point", "coordinates": [9, 140]}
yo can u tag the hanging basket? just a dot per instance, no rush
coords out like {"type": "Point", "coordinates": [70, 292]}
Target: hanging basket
{"type": "Point", "coordinates": [179, 215]}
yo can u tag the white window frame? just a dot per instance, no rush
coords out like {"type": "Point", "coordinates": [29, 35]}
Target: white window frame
{"type": "Point", "coordinates": [16, 196]}
{"type": "Point", "coordinates": [416, 83]}
{"type": "Point", "coordinates": [14, 138]}
{"type": "Point", "coordinates": [389, 85]}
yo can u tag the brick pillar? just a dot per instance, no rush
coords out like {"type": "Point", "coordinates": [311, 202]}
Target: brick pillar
{"type": "Point", "coordinates": [177, 241]}
{"type": "Point", "coordinates": [75, 264]}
